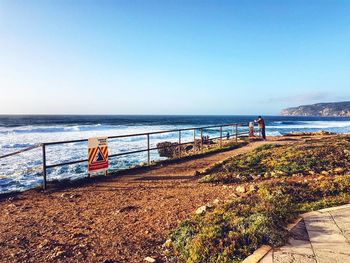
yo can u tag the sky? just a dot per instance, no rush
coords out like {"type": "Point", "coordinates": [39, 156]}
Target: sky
{"type": "Point", "coordinates": [172, 56]}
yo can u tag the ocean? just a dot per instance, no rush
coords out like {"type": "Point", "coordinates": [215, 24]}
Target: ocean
{"type": "Point", "coordinates": [23, 171]}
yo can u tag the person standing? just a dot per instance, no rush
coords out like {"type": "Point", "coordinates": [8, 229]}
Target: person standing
{"type": "Point", "coordinates": [261, 125]}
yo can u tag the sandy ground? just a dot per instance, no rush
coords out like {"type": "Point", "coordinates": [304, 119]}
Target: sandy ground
{"type": "Point", "coordinates": [123, 219]}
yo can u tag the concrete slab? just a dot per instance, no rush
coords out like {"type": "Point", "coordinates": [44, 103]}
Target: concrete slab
{"type": "Point", "coordinates": [281, 257]}
{"type": "Point", "coordinates": [331, 257]}
{"type": "Point", "coordinates": [297, 247]}
{"type": "Point", "coordinates": [322, 237]}
{"type": "Point", "coordinates": [267, 259]}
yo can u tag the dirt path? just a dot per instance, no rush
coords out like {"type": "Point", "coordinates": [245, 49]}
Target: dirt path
{"type": "Point", "coordinates": [123, 219]}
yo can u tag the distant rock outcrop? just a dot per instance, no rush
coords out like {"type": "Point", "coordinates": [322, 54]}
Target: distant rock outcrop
{"type": "Point", "coordinates": [331, 109]}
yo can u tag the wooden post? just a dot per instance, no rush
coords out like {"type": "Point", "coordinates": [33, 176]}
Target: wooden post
{"type": "Point", "coordinates": [44, 165]}
{"type": "Point", "coordinates": [148, 151]}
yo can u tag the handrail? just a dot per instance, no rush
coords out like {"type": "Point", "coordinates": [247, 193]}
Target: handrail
{"type": "Point", "coordinates": [45, 166]}
{"type": "Point", "coordinates": [21, 151]}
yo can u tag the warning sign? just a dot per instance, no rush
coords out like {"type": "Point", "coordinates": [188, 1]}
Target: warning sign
{"type": "Point", "coordinates": [97, 154]}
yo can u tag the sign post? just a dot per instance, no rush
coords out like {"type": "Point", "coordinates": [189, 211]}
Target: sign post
{"type": "Point", "coordinates": [97, 155]}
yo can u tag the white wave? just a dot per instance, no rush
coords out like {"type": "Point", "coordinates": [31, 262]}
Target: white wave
{"type": "Point", "coordinates": [24, 170]}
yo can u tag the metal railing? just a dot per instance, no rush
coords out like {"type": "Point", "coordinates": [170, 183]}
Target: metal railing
{"type": "Point", "coordinates": [235, 134]}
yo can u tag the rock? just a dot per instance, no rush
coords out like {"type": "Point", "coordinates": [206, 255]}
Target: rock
{"type": "Point", "coordinates": [280, 173]}
{"type": "Point", "coordinates": [253, 188]}
{"type": "Point", "coordinates": [167, 149]}
{"type": "Point", "coordinates": [12, 206]}
{"type": "Point", "coordinates": [339, 170]}
{"type": "Point", "coordinates": [127, 208]}
{"type": "Point", "coordinates": [233, 195]}
{"type": "Point", "coordinates": [267, 175]}
{"type": "Point", "coordinates": [241, 189]}
{"type": "Point", "coordinates": [65, 195]}
{"type": "Point", "coordinates": [201, 210]}
{"type": "Point", "coordinates": [150, 259]}
{"type": "Point", "coordinates": [216, 201]}
{"type": "Point", "coordinates": [58, 254]}
{"type": "Point", "coordinates": [168, 243]}
{"type": "Point", "coordinates": [197, 173]}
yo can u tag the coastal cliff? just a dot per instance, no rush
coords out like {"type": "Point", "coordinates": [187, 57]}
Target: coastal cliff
{"type": "Point", "coordinates": [332, 109]}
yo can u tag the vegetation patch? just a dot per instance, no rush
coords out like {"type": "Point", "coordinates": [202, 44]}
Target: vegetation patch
{"type": "Point", "coordinates": [232, 231]}
{"type": "Point", "coordinates": [325, 156]}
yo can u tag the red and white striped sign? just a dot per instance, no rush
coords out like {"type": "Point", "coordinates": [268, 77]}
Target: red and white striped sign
{"type": "Point", "coordinates": [97, 154]}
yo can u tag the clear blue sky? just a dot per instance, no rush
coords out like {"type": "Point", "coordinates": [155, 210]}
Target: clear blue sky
{"type": "Point", "coordinates": [172, 57]}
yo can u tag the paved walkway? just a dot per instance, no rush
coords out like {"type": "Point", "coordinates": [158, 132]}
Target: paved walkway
{"type": "Point", "coordinates": [322, 236]}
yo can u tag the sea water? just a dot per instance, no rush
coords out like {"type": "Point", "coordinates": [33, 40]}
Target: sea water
{"type": "Point", "coordinates": [24, 171]}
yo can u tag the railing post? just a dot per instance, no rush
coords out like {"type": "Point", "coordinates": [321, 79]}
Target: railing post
{"type": "Point", "coordinates": [220, 136]}
{"type": "Point", "coordinates": [194, 140]}
{"type": "Point", "coordinates": [148, 151]}
{"type": "Point", "coordinates": [202, 139]}
{"type": "Point", "coordinates": [236, 132]}
{"type": "Point", "coordinates": [44, 165]}
{"type": "Point", "coordinates": [180, 143]}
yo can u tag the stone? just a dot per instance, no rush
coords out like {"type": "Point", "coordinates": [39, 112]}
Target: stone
{"type": "Point", "coordinates": [201, 210]}
{"type": "Point", "coordinates": [267, 175]}
{"type": "Point", "coordinates": [216, 201]}
{"type": "Point", "coordinates": [241, 189]}
{"type": "Point", "coordinates": [253, 188]}
{"type": "Point", "coordinates": [168, 243]}
{"type": "Point", "coordinates": [65, 195]}
{"type": "Point", "coordinates": [339, 170]}
{"type": "Point", "coordinates": [197, 173]}
{"type": "Point", "coordinates": [150, 259]}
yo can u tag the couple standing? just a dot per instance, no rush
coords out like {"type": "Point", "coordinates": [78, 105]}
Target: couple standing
{"type": "Point", "coordinates": [261, 125]}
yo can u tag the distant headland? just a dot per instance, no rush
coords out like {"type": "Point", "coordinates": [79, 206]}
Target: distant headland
{"type": "Point", "coordinates": [330, 109]}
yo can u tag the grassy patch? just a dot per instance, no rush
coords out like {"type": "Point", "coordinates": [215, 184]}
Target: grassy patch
{"type": "Point", "coordinates": [232, 231]}
{"type": "Point", "coordinates": [325, 156]}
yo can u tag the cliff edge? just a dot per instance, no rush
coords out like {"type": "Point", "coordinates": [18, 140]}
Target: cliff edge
{"type": "Point", "coordinates": [331, 109]}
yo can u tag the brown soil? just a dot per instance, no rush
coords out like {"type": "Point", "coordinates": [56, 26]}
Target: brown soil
{"type": "Point", "coordinates": [123, 219]}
